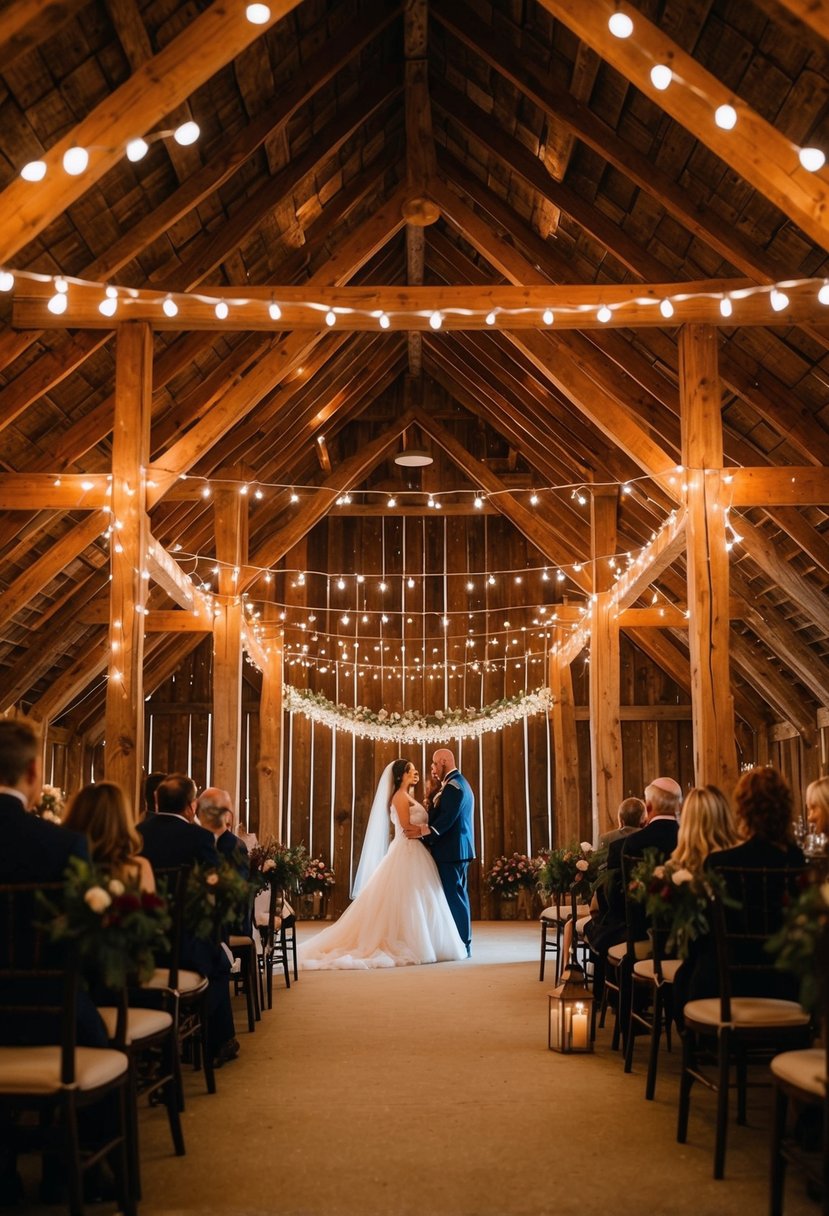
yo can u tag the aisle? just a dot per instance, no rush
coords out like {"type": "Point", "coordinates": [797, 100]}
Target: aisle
{"type": "Point", "coordinates": [430, 1090]}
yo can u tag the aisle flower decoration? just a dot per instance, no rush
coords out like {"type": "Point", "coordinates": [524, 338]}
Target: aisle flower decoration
{"type": "Point", "coordinates": [412, 727]}
{"type": "Point", "coordinates": [51, 805]}
{"type": "Point", "coordinates": [797, 946]}
{"type": "Point", "coordinates": [215, 897]}
{"type": "Point", "coordinates": [317, 877]}
{"type": "Point", "coordinates": [675, 899]}
{"type": "Point", "coordinates": [508, 875]}
{"type": "Point", "coordinates": [575, 867]}
{"type": "Point", "coordinates": [116, 929]}
{"type": "Point", "coordinates": [274, 864]}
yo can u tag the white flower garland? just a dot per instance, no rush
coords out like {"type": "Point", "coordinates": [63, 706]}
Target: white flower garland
{"type": "Point", "coordinates": [411, 726]}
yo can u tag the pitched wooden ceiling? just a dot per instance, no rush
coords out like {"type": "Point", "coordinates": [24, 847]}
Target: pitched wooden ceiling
{"type": "Point", "coordinates": [546, 164]}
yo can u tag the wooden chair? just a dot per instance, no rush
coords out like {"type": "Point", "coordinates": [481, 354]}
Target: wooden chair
{"type": "Point", "coordinates": [554, 918]}
{"type": "Point", "coordinates": [802, 1076]}
{"type": "Point", "coordinates": [737, 1027]}
{"type": "Point", "coordinates": [57, 1079]}
{"type": "Point", "coordinates": [278, 935]}
{"type": "Point", "coordinates": [620, 959]}
{"type": "Point", "coordinates": [183, 992]}
{"type": "Point", "coordinates": [652, 977]}
{"type": "Point", "coordinates": [243, 946]}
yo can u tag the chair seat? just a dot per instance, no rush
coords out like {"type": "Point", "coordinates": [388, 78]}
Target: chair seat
{"type": "Point", "coordinates": [581, 923]}
{"type": "Point", "coordinates": [237, 940]}
{"type": "Point", "coordinates": [189, 982]}
{"type": "Point", "coordinates": [670, 966]}
{"type": "Point", "coordinates": [640, 949]}
{"type": "Point", "coordinates": [141, 1023]}
{"type": "Point", "coordinates": [747, 1011]}
{"type": "Point", "coordinates": [804, 1069]}
{"type": "Point", "coordinates": [563, 914]}
{"type": "Point", "coordinates": [36, 1070]}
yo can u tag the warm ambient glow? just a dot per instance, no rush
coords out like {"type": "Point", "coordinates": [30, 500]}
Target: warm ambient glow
{"type": "Point", "coordinates": [620, 25]}
{"type": "Point", "coordinates": [725, 117]}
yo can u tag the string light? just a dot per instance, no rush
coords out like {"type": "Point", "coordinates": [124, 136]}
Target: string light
{"type": "Point", "coordinates": [258, 14]}
{"type": "Point", "coordinates": [137, 149]}
{"type": "Point", "coordinates": [6, 280]}
{"type": "Point", "coordinates": [725, 117]}
{"type": "Point", "coordinates": [620, 25]}
{"type": "Point", "coordinates": [661, 76]}
{"type": "Point", "coordinates": [75, 161]}
{"type": "Point", "coordinates": [187, 133]}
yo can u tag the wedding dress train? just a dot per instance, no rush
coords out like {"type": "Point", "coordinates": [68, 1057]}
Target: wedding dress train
{"type": "Point", "coordinates": [399, 918]}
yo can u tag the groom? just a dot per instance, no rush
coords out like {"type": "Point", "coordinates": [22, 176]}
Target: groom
{"type": "Point", "coordinates": [451, 832]}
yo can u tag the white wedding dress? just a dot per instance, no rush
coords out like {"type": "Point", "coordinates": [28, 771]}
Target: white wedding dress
{"type": "Point", "coordinates": [400, 916]}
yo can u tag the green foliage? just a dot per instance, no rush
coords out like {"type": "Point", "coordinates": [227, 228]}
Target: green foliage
{"type": "Point", "coordinates": [278, 865]}
{"type": "Point", "coordinates": [115, 928]}
{"type": "Point", "coordinates": [576, 866]}
{"type": "Point", "coordinates": [798, 945]}
{"type": "Point", "coordinates": [676, 900]}
{"type": "Point", "coordinates": [215, 897]}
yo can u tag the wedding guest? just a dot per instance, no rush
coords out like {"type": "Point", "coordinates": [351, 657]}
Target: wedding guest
{"type": "Point", "coordinates": [100, 812]}
{"type": "Point", "coordinates": [151, 783]}
{"type": "Point", "coordinates": [214, 810]}
{"type": "Point", "coordinates": [706, 826]}
{"type": "Point", "coordinates": [171, 839]}
{"type": "Point", "coordinates": [629, 818]}
{"type": "Point", "coordinates": [817, 806]}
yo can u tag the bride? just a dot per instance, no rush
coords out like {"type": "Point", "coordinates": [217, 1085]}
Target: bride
{"type": "Point", "coordinates": [399, 915]}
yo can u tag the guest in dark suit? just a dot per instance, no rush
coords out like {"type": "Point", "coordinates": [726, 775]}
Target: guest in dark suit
{"type": "Point", "coordinates": [631, 816]}
{"type": "Point", "coordinates": [171, 839]}
{"type": "Point", "coordinates": [662, 801]}
{"type": "Point", "coordinates": [215, 813]}
{"type": "Point", "coordinates": [151, 783]}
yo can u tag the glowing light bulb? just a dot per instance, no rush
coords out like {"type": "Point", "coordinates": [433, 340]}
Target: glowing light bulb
{"type": "Point", "coordinates": [478, 502]}
{"type": "Point", "coordinates": [384, 586]}
{"type": "Point", "coordinates": [620, 25]}
{"type": "Point", "coordinates": [6, 280]}
{"type": "Point", "coordinates": [34, 171]}
{"type": "Point", "coordinates": [604, 314]}
{"type": "Point", "coordinates": [187, 133]}
{"type": "Point", "coordinates": [75, 161]}
{"type": "Point", "coordinates": [436, 320]}
{"type": "Point", "coordinates": [108, 306]}
{"type": "Point", "coordinates": [490, 318]}
{"type": "Point", "coordinates": [258, 14]}
{"type": "Point", "coordinates": [392, 503]}
{"type": "Point", "coordinates": [221, 310]}
{"type": "Point", "coordinates": [206, 492]}
{"type": "Point", "coordinates": [384, 321]}
{"type": "Point", "coordinates": [666, 308]}
{"type": "Point", "coordinates": [823, 294]}
{"type": "Point", "coordinates": [548, 316]}
{"type": "Point", "coordinates": [533, 500]}
{"type": "Point", "coordinates": [274, 311]}
{"type": "Point", "coordinates": [169, 307]}
{"type": "Point", "coordinates": [661, 76]}
{"type": "Point", "coordinates": [61, 285]}
{"type": "Point", "coordinates": [341, 584]}
{"type": "Point", "coordinates": [137, 149]}
{"type": "Point", "coordinates": [725, 117]}
{"type": "Point", "coordinates": [779, 300]}
{"type": "Point", "coordinates": [726, 307]}
{"type": "Point", "coordinates": [330, 317]}
{"type": "Point", "coordinates": [294, 496]}
{"type": "Point", "coordinates": [812, 159]}
{"type": "Point", "coordinates": [57, 304]}
{"type": "Point", "coordinates": [410, 583]}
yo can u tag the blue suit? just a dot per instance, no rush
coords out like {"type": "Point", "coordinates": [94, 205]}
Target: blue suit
{"type": "Point", "coordinates": [452, 839]}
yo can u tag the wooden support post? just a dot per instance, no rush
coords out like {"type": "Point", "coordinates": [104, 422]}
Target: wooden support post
{"type": "Point", "coordinates": [715, 756]}
{"type": "Point", "coordinates": [231, 524]}
{"type": "Point", "coordinates": [606, 731]}
{"type": "Point", "coordinates": [124, 752]}
{"type": "Point", "coordinates": [566, 817]}
{"type": "Point", "coordinates": [269, 765]}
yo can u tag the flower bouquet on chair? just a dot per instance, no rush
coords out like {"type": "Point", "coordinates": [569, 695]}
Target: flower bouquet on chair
{"type": "Point", "coordinates": [676, 900]}
{"type": "Point", "coordinates": [115, 928]}
{"type": "Point", "coordinates": [51, 805]}
{"type": "Point", "coordinates": [797, 944]}
{"type": "Point", "coordinates": [575, 868]}
{"type": "Point", "coordinates": [315, 884]}
{"type": "Point", "coordinates": [216, 898]}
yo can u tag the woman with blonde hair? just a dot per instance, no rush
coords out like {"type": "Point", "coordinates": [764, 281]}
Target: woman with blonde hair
{"type": "Point", "coordinates": [817, 805]}
{"type": "Point", "coordinates": [100, 812]}
{"type": "Point", "coordinates": [706, 826]}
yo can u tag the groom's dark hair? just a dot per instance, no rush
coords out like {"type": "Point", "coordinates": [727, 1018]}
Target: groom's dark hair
{"type": "Point", "coordinates": [398, 771]}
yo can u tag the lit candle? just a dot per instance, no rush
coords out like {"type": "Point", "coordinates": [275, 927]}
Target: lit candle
{"type": "Point", "coordinates": [579, 1035]}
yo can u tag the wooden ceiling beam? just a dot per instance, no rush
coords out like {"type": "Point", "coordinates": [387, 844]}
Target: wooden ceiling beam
{"type": "Point", "coordinates": [764, 157]}
{"type": "Point", "coordinates": [813, 13]}
{"type": "Point", "coordinates": [87, 666]}
{"type": "Point", "coordinates": [45, 491]}
{"type": "Point", "coordinates": [24, 24]}
{"type": "Point", "coordinates": [776, 689]}
{"type": "Point", "coordinates": [776, 633]}
{"type": "Point", "coordinates": [651, 561]}
{"type": "Point", "coordinates": [40, 573]}
{"type": "Point", "coordinates": [777, 485]}
{"type": "Point", "coordinates": [762, 550]}
{"type": "Point", "coordinates": [174, 620]}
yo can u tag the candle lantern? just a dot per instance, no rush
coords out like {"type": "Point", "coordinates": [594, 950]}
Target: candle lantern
{"type": "Point", "coordinates": [571, 1014]}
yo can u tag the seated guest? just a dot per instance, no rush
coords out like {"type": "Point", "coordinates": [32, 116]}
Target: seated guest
{"type": "Point", "coordinates": [151, 783]}
{"type": "Point", "coordinates": [763, 804]}
{"type": "Point", "coordinates": [215, 812]}
{"type": "Point", "coordinates": [706, 826]}
{"type": "Point", "coordinates": [171, 838]}
{"type": "Point", "coordinates": [817, 806]}
{"type": "Point", "coordinates": [629, 818]}
{"type": "Point", "coordinates": [100, 812]}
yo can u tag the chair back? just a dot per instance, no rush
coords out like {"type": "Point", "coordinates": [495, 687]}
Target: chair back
{"type": "Point", "coordinates": [38, 979]}
{"type": "Point", "coordinates": [276, 898]}
{"type": "Point", "coordinates": [744, 920]}
{"type": "Point", "coordinates": [172, 881]}
{"type": "Point", "coordinates": [637, 924]}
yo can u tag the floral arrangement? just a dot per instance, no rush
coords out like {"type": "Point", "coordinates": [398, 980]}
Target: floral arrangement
{"type": "Point", "coordinates": [115, 928]}
{"type": "Point", "coordinates": [675, 899]}
{"type": "Point", "coordinates": [51, 805]}
{"type": "Point", "coordinates": [214, 896]}
{"type": "Point", "coordinates": [317, 876]}
{"type": "Point", "coordinates": [412, 727]}
{"type": "Point", "coordinates": [278, 865]}
{"type": "Point", "coordinates": [508, 875]}
{"type": "Point", "coordinates": [798, 943]}
{"type": "Point", "coordinates": [576, 866]}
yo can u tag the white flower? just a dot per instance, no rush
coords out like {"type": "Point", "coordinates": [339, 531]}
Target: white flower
{"type": "Point", "coordinates": [438, 713]}
{"type": "Point", "coordinates": [659, 871]}
{"type": "Point", "coordinates": [582, 865]}
{"type": "Point", "coordinates": [116, 887]}
{"type": "Point", "coordinates": [212, 879]}
{"type": "Point", "coordinates": [270, 864]}
{"type": "Point", "coordinates": [98, 899]}
{"type": "Point", "coordinates": [681, 876]}
{"type": "Point", "coordinates": [586, 846]}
